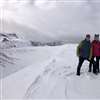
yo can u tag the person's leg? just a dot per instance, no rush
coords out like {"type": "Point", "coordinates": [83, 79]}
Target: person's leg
{"type": "Point", "coordinates": [99, 64]}
{"type": "Point", "coordinates": [81, 60]}
{"type": "Point", "coordinates": [97, 60]}
{"type": "Point", "coordinates": [90, 65]}
{"type": "Point", "coordinates": [94, 65]}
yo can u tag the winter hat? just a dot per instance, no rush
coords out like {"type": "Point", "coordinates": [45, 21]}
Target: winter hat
{"type": "Point", "coordinates": [88, 35]}
{"type": "Point", "coordinates": [96, 35]}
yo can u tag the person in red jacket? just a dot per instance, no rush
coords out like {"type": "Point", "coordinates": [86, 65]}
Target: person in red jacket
{"type": "Point", "coordinates": [95, 54]}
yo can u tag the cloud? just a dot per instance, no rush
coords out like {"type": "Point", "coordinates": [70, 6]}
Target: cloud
{"type": "Point", "coordinates": [64, 20]}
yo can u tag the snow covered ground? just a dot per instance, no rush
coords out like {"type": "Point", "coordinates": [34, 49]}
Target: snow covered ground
{"type": "Point", "coordinates": [47, 73]}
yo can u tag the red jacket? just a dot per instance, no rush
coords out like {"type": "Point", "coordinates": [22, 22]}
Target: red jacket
{"type": "Point", "coordinates": [95, 48]}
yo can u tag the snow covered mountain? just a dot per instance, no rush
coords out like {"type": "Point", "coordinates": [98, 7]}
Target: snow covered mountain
{"type": "Point", "coordinates": [11, 40]}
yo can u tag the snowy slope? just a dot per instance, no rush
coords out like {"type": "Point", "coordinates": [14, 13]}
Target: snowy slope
{"type": "Point", "coordinates": [16, 43]}
{"type": "Point", "coordinates": [51, 75]}
{"type": "Point", "coordinates": [12, 40]}
{"type": "Point", "coordinates": [15, 59]}
{"type": "Point", "coordinates": [29, 63]}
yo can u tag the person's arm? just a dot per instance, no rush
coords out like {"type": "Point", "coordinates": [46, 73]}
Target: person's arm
{"type": "Point", "coordinates": [78, 49]}
{"type": "Point", "coordinates": [90, 53]}
{"type": "Point", "coordinates": [99, 46]}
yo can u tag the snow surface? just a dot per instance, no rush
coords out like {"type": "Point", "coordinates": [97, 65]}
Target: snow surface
{"type": "Point", "coordinates": [11, 40]}
{"type": "Point", "coordinates": [48, 73]}
{"type": "Point", "coordinates": [14, 43]}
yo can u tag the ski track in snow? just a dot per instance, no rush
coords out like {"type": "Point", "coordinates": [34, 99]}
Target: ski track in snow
{"type": "Point", "coordinates": [57, 79]}
{"type": "Point", "coordinates": [56, 75]}
{"type": "Point", "coordinates": [52, 71]}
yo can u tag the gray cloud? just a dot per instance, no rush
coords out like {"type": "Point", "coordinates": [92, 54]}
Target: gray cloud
{"type": "Point", "coordinates": [64, 19]}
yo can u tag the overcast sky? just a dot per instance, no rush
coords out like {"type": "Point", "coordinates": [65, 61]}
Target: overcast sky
{"type": "Point", "coordinates": [56, 19]}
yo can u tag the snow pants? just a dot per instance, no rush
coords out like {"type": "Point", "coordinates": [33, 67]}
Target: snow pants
{"type": "Point", "coordinates": [81, 60]}
{"type": "Point", "coordinates": [96, 68]}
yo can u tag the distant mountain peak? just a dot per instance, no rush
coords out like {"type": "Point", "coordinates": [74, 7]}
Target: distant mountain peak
{"type": "Point", "coordinates": [8, 35]}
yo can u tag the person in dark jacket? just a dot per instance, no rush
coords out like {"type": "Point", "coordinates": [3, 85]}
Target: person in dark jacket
{"type": "Point", "coordinates": [95, 54]}
{"type": "Point", "coordinates": [83, 52]}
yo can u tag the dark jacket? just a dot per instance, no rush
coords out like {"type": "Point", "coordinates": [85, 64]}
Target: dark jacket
{"type": "Point", "coordinates": [84, 49]}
